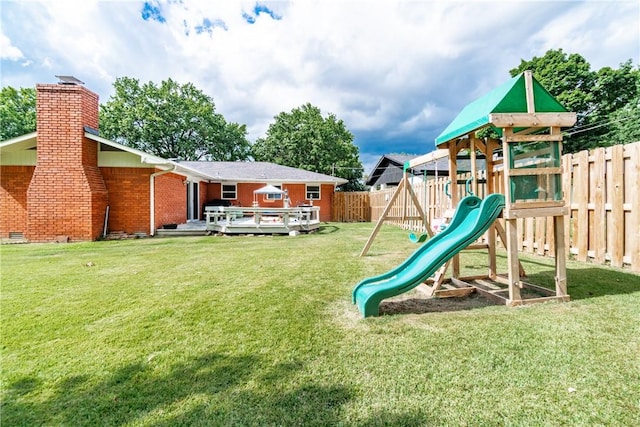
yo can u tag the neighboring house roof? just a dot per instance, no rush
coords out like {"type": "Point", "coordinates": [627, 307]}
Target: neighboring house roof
{"type": "Point", "coordinates": [209, 171]}
{"type": "Point", "coordinates": [441, 166]}
{"type": "Point", "coordinates": [509, 97]}
{"type": "Point", "coordinates": [259, 172]}
{"type": "Point", "coordinates": [390, 168]}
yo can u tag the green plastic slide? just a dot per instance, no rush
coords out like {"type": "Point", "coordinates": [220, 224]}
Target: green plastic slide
{"type": "Point", "coordinates": [472, 218]}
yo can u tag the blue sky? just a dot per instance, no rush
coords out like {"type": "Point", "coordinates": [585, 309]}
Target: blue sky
{"type": "Point", "coordinates": [396, 72]}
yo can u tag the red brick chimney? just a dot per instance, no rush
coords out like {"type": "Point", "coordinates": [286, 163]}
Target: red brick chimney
{"type": "Point", "coordinates": [67, 195]}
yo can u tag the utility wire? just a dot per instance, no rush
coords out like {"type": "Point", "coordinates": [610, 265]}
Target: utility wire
{"type": "Point", "coordinates": [592, 126]}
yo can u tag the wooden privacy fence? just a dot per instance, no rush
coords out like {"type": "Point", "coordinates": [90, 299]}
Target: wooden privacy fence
{"type": "Point", "coordinates": [601, 188]}
{"type": "Point", "coordinates": [351, 207]}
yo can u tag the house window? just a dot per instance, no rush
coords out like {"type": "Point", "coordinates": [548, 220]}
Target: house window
{"type": "Point", "coordinates": [313, 192]}
{"type": "Point", "coordinates": [229, 191]}
{"type": "Point", "coordinates": [275, 196]}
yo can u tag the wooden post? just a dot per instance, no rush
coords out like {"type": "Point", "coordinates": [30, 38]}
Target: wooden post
{"type": "Point", "coordinates": [528, 87]}
{"type": "Point", "coordinates": [561, 265]}
{"type": "Point", "coordinates": [405, 180]}
{"type": "Point", "coordinates": [617, 205]}
{"type": "Point", "coordinates": [506, 132]}
{"type": "Point", "coordinates": [491, 237]}
{"type": "Point", "coordinates": [474, 168]}
{"type": "Point", "coordinates": [511, 224]}
{"type": "Point", "coordinates": [513, 267]}
{"type": "Point", "coordinates": [455, 199]}
{"type": "Point", "coordinates": [581, 197]}
{"type": "Point", "coordinates": [567, 169]}
{"type": "Point", "coordinates": [634, 215]}
{"type": "Point", "coordinates": [599, 213]}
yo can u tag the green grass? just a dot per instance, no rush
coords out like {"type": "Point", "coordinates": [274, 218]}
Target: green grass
{"type": "Point", "coordinates": [261, 331]}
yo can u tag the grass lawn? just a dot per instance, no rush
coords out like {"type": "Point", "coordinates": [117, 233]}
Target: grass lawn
{"type": "Point", "coordinates": [261, 331]}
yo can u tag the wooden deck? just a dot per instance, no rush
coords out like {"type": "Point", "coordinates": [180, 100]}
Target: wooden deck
{"type": "Point", "coordinates": [191, 228]}
{"type": "Point", "coordinates": [241, 220]}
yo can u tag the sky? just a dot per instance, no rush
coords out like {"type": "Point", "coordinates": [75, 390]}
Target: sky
{"type": "Point", "coordinates": [396, 72]}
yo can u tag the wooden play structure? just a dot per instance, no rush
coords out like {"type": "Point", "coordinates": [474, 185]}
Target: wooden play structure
{"type": "Point", "coordinates": [524, 165]}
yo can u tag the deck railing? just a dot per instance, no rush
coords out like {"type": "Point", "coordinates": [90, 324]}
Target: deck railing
{"type": "Point", "coordinates": [230, 214]}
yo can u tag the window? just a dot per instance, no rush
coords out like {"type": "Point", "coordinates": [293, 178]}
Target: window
{"type": "Point", "coordinates": [229, 191]}
{"type": "Point", "coordinates": [275, 196]}
{"type": "Point", "coordinates": [536, 175]}
{"type": "Point", "coordinates": [313, 192]}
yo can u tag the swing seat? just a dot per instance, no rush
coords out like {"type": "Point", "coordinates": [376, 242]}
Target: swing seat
{"type": "Point", "coordinates": [418, 238]}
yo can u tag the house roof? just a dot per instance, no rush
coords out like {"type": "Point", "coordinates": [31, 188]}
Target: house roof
{"type": "Point", "coordinates": [259, 172]}
{"type": "Point", "coordinates": [262, 172]}
{"type": "Point", "coordinates": [30, 141]}
{"type": "Point", "coordinates": [510, 97]}
{"type": "Point", "coordinates": [23, 142]}
{"type": "Point", "coordinates": [389, 169]}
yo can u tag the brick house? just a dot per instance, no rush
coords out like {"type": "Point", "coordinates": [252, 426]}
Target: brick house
{"type": "Point", "coordinates": [66, 180]}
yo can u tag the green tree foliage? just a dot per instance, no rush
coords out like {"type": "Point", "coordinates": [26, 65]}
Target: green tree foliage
{"type": "Point", "coordinates": [618, 107]}
{"type": "Point", "coordinates": [595, 96]}
{"type": "Point", "coordinates": [17, 112]}
{"type": "Point", "coordinates": [625, 122]}
{"type": "Point", "coordinates": [304, 139]}
{"type": "Point", "coordinates": [172, 121]}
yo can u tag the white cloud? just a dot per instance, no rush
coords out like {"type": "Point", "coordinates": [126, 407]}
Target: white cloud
{"type": "Point", "coordinates": [7, 50]}
{"type": "Point", "coordinates": [599, 31]}
{"type": "Point", "coordinates": [395, 71]}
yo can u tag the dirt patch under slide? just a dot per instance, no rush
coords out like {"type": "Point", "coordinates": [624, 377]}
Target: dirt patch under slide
{"type": "Point", "coordinates": [416, 302]}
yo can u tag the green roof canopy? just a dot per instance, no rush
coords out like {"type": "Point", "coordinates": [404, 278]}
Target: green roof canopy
{"type": "Point", "coordinates": [510, 97]}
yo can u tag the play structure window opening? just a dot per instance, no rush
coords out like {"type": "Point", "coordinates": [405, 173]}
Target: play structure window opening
{"type": "Point", "coordinates": [229, 191]}
{"type": "Point", "coordinates": [313, 192]}
{"type": "Point", "coordinates": [537, 165]}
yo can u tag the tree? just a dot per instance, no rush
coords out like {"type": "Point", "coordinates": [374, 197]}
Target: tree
{"type": "Point", "coordinates": [171, 121]}
{"type": "Point", "coordinates": [17, 112]}
{"type": "Point", "coordinates": [616, 113]}
{"type": "Point", "coordinates": [304, 139]}
{"type": "Point", "coordinates": [594, 96]}
{"type": "Point", "coordinates": [625, 122]}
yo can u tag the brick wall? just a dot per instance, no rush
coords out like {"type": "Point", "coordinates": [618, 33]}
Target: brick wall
{"type": "Point", "coordinates": [326, 203]}
{"type": "Point", "coordinates": [129, 201]}
{"type": "Point", "coordinates": [203, 198]}
{"type": "Point", "coordinates": [245, 196]}
{"type": "Point", "coordinates": [14, 182]}
{"type": "Point", "coordinates": [298, 196]}
{"type": "Point", "coordinates": [214, 191]}
{"type": "Point", "coordinates": [67, 194]}
{"type": "Point", "coordinates": [171, 200]}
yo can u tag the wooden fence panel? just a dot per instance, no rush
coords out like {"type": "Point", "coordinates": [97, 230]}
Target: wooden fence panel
{"type": "Point", "coordinates": [617, 206]}
{"type": "Point", "coordinates": [580, 197]}
{"type": "Point", "coordinates": [603, 200]}
{"type": "Point", "coordinates": [632, 222]}
{"type": "Point", "coordinates": [351, 207]}
{"type": "Point", "coordinates": [598, 226]}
